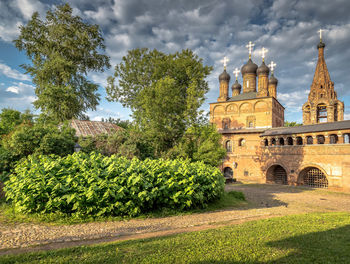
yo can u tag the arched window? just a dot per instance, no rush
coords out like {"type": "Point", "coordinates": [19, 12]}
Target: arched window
{"type": "Point", "coordinates": [346, 138]}
{"type": "Point", "coordinates": [333, 139]}
{"type": "Point", "coordinates": [289, 141]}
{"type": "Point", "coordinates": [273, 142]}
{"type": "Point", "coordinates": [228, 173]}
{"type": "Point", "coordinates": [281, 141]}
{"type": "Point", "coordinates": [228, 146]}
{"type": "Point", "coordinates": [226, 123]}
{"type": "Point", "coordinates": [299, 141]}
{"type": "Point", "coordinates": [241, 142]}
{"type": "Point", "coordinates": [266, 142]}
{"type": "Point", "coordinates": [321, 113]}
{"type": "Point", "coordinates": [309, 140]}
{"type": "Point", "coordinates": [320, 139]}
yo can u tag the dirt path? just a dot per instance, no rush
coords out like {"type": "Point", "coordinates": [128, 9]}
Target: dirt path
{"type": "Point", "coordinates": [264, 201]}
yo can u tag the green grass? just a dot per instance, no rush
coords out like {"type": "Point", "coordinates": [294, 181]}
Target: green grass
{"type": "Point", "coordinates": [9, 216]}
{"type": "Point", "coordinates": [310, 238]}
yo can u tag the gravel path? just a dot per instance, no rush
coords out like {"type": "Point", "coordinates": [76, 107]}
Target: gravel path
{"type": "Point", "coordinates": [263, 201]}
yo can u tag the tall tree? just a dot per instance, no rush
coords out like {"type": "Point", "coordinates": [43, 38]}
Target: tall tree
{"type": "Point", "coordinates": [63, 49]}
{"type": "Point", "coordinates": [164, 92]}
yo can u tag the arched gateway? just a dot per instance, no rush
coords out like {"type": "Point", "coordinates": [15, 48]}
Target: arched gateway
{"type": "Point", "coordinates": [313, 177]}
{"type": "Point", "coordinates": [276, 174]}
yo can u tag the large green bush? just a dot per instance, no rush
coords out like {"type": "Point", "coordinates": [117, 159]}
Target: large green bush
{"type": "Point", "coordinates": [92, 184]}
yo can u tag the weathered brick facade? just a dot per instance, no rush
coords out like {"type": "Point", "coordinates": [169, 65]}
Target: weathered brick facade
{"type": "Point", "coordinates": [260, 149]}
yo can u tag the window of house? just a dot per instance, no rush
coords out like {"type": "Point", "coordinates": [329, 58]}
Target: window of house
{"type": "Point", "coordinates": [309, 140]}
{"type": "Point", "coordinates": [347, 138]}
{"type": "Point", "coordinates": [241, 142]}
{"type": "Point", "coordinates": [299, 141]}
{"type": "Point", "coordinates": [320, 139]}
{"type": "Point", "coordinates": [289, 141]}
{"type": "Point", "coordinates": [273, 142]}
{"type": "Point", "coordinates": [281, 141]}
{"type": "Point", "coordinates": [333, 139]}
{"type": "Point", "coordinates": [228, 146]}
{"type": "Point", "coordinates": [321, 113]}
{"type": "Point", "coordinates": [266, 142]}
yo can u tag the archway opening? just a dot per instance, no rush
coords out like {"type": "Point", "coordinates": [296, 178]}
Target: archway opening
{"type": "Point", "coordinates": [228, 173]}
{"type": "Point", "coordinates": [276, 174]}
{"type": "Point", "coordinates": [313, 177]}
{"type": "Point", "coordinates": [290, 141]}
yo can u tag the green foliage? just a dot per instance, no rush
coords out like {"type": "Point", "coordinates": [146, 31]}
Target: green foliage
{"type": "Point", "coordinates": [39, 138]}
{"type": "Point", "coordinates": [10, 118]}
{"type": "Point", "coordinates": [62, 49]}
{"type": "Point", "coordinates": [83, 185]}
{"type": "Point", "coordinates": [121, 123]}
{"type": "Point", "coordinates": [127, 143]}
{"type": "Point", "coordinates": [200, 143]}
{"type": "Point", "coordinates": [291, 124]}
{"type": "Point", "coordinates": [164, 92]}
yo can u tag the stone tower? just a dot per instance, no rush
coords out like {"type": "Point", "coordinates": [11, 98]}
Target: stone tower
{"type": "Point", "coordinates": [248, 71]}
{"type": "Point", "coordinates": [322, 104]}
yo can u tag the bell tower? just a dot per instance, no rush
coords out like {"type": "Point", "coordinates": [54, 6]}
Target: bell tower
{"type": "Point", "coordinates": [322, 104]}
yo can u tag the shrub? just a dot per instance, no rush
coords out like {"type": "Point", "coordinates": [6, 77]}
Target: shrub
{"type": "Point", "coordinates": [92, 184]}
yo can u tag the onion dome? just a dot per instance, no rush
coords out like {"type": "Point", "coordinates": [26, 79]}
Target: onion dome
{"type": "Point", "coordinates": [236, 86]}
{"type": "Point", "coordinates": [263, 69]}
{"type": "Point", "coordinates": [249, 67]}
{"type": "Point", "coordinates": [273, 80]}
{"type": "Point", "coordinates": [321, 45]}
{"type": "Point", "coordinates": [224, 76]}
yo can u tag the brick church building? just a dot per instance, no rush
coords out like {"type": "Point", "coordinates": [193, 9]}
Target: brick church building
{"type": "Point", "coordinates": [259, 147]}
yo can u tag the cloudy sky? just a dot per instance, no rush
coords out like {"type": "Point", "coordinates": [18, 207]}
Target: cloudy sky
{"type": "Point", "coordinates": [212, 29]}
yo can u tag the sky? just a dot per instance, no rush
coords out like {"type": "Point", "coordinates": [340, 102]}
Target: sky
{"type": "Point", "coordinates": [212, 29]}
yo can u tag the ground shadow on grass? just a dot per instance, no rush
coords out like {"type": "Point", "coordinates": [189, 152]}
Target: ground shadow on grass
{"type": "Point", "coordinates": [264, 195]}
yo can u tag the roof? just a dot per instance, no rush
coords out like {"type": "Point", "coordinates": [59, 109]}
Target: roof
{"type": "Point", "coordinates": [92, 128]}
{"type": "Point", "coordinates": [243, 96]}
{"type": "Point", "coordinates": [338, 125]}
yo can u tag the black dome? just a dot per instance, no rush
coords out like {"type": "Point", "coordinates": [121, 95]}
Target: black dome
{"type": "Point", "coordinates": [249, 67]}
{"type": "Point", "coordinates": [263, 69]}
{"type": "Point", "coordinates": [224, 76]}
{"type": "Point", "coordinates": [236, 86]}
{"type": "Point", "coordinates": [273, 80]}
{"type": "Point", "coordinates": [321, 45]}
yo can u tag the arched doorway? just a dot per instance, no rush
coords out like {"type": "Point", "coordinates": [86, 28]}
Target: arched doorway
{"type": "Point", "coordinates": [228, 173]}
{"type": "Point", "coordinates": [276, 174]}
{"type": "Point", "coordinates": [313, 177]}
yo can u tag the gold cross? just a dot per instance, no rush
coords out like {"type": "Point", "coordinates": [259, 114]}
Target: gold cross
{"type": "Point", "coordinates": [225, 61]}
{"type": "Point", "coordinates": [320, 31]}
{"type": "Point", "coordinates": [250, 48]}
{"type": "Point", "coordinates": [236, 73]}
{"type": "Point", "coordinates": [272, 66]}
{"type": "Point", "coordinates": [263, 53]}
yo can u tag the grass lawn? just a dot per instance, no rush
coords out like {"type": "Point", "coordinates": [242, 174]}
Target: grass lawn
{"type": "Point", "coordinates": [310, 238]}
{"type": "Point", "coordinates": [230, 199]}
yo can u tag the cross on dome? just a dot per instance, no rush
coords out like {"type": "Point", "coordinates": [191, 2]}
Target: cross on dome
{"type": "Point", "coordinates": [250, 48]}
{"type": "Point", "coordinates": [236, 73]}
{"type": "Point", "coordinates": [320, 31]}
{"type": "Point", "coordinates": [272, 66]}
{"type": "Point", "coordinates": [263, 53]}
{"type": "Point", "coordinates": [225, 61]}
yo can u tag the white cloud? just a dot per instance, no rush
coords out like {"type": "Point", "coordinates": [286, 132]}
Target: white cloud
{"type": "Point", "coordinates": [13, 89]}
{"type": "Point", "coordinates": [12, 73]}
{"type": "Point", "coordinates": [28, 7]}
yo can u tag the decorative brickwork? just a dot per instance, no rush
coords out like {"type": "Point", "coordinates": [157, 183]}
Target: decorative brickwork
{"type": "Point", "coordinates": [322, 105]}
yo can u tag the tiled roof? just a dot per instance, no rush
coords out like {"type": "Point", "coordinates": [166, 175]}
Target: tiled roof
{"type": "Point", "coordinates": [339, 125]}
{"type": "Point", "coordinates": [243, 96]}
{"type": "Point", "coordinates": [92, 128]}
